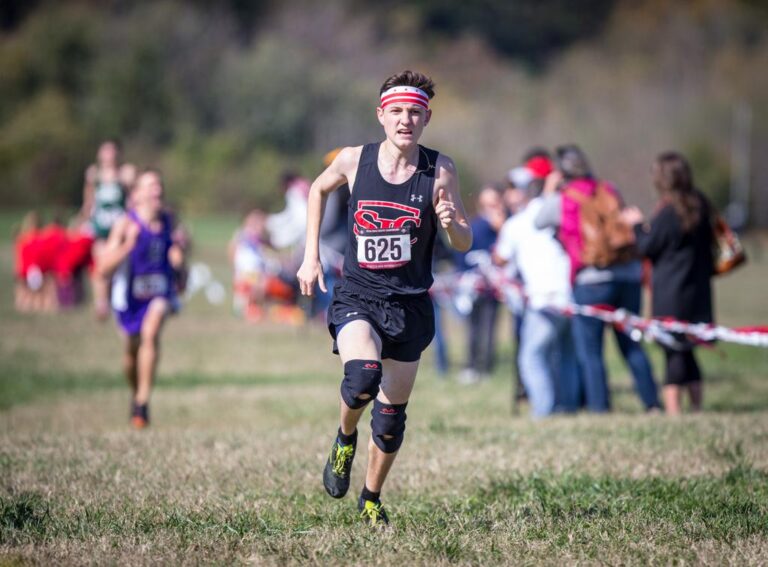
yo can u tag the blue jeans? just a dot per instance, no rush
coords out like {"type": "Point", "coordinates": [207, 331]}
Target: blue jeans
{"type": "Point", "coordinates": [547, 363]}
{"type": "Point", "coordinates": [441, 346]}
{"type": "Point", "coordinates": [481, 334]}
{"type": "Point", "coordinates": [588, 335]}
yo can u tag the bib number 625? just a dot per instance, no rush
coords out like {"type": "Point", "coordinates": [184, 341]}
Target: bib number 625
{"type": "Point", "coordinates": [384, 249]}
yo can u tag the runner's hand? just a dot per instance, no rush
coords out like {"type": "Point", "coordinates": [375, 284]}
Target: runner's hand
{"type": "Point", "coordinates": [311, 271]}
{"type": "Point", "coordinates": [132, 231]}
{"type": "Point", "coordinates": [445, 209]}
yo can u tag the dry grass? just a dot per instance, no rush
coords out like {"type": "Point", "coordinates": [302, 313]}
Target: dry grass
{"type": "Point", "coordinates": [243, 417]}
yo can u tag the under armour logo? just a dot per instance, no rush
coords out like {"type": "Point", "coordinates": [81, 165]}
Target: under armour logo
{"type": "Point", "coordinates": [418, 198]}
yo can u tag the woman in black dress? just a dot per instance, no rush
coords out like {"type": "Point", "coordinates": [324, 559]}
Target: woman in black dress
{"type": "Point", "coordinates": [679, 243]}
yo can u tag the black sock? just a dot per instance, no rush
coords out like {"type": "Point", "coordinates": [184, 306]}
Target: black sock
{"type": "Point", "coordinates": [368, 495]}
{"type": "Point", "coordinates": [347, 439]}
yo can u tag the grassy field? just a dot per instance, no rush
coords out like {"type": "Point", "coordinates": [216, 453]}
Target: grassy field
{"type": "Point", "coordinates": [230, 471]}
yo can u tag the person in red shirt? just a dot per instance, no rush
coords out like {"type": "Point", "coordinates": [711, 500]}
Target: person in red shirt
{"type": "Point", "coordinates": [74, 255]}
{"type": "Point", "coordinates": [27, 274]}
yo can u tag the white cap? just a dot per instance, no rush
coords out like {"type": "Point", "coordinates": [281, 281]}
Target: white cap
{"type": "Point", "coordinates": [520, 177]}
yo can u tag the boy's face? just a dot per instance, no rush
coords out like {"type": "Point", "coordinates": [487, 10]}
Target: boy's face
{"type": "Point", "coordinates": [403, 122]}
{"type": "Point", "coordinates": [148, 191]}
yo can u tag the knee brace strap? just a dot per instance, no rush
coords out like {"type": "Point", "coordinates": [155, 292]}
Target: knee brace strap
{"type": "Point", "coordinates": [388, 425]}
{"type": "Point", "coordinates": [360, 377]}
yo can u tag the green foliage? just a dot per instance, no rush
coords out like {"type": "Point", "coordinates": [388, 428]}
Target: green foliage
{"type": "Point", "coordinates": [530, 30]}
{"type": "Point", "coordinates": [224, 96]}
{"type": "Point", "coordinates": [41, 152]}
{"type": "Point", "coordinates": [711, 170]}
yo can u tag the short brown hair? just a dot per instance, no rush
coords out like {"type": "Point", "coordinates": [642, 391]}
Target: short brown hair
{"type": "Point", "coordinates": [410, 79]}
{"type": "Point", "coordinates": [147, 171]}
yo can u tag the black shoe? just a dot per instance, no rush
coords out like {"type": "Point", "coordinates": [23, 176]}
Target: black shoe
{"type": "Point", "coordinates": [139, 415]}
{"type": "Point", "coordinates": [338, 468]}
{"type": "Point", "coordinates": [372, 513]}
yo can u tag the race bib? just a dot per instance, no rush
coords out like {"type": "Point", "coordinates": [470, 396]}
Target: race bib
{"type": "Point", "coordinates": [148, 286]}
{"type": "Point", "coordinates": [383, 249]}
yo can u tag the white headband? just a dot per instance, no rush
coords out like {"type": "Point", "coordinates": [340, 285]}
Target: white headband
{"type": "Point", "coordinates": [410, 95]}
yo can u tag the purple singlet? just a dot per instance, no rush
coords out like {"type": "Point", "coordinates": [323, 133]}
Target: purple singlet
{"type": "Point", "coordinates": [145, 274]}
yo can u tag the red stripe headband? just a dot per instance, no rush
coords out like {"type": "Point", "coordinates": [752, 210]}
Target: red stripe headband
{"type": "Point", "coordinates": [408, 95]}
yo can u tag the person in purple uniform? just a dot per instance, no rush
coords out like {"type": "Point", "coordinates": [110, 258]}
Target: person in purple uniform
{"type": "Point", "coordinates": [142, 258]}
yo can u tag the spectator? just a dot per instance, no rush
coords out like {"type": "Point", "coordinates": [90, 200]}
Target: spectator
{"type": "Point", "coordinates": [547, 361]}
{"type": "Point", "coordinates": [482, 318]}
{"type": "Point", "coordinates": [443, 269]}
{"type": "Point", "coordinates": [286, 228]}
{"type": "Point", "coordinates": [246, 252]}
{"type": "Point", "coordinates": [29, 277]}
{"type": "Point", "coordinates": [70, 264]}
{"type": "Point", "coordinates": [49, 263]}
{"type": "Point", "coordinates": [51, 244]}
{"type": "Point", "coordinates": [604, 270]}
{"type": "Point", "coordinates": [260, 290]}
{"type": "Point", "coordinates": [537, 164]}
{"type": "Point", "coordinates": [679, 244]}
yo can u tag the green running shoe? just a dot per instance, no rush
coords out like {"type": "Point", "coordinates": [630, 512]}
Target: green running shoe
{"type": "Point", "coordinates": [338, 468]}
{"type": "Point", "coordinates": [372, 513]}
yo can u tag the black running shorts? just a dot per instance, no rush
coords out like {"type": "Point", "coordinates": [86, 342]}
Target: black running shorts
{"type": "Point", "coordinates": [405, 324]}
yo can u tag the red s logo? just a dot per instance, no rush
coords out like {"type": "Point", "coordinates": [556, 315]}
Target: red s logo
{"type": "Point", "coordinates": [369, 216]}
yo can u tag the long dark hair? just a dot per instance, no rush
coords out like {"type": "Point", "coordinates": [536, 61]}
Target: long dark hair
{"type": "Point", "coordinates": [673, 180]}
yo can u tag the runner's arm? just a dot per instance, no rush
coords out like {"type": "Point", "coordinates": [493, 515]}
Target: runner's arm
{"type": "Point", "coordinates": [448, 206]}
{"type": "Point", "coordinates": [122, 239]}
{"type": "Point", "coordinates": [88, 193]}
{"type": "Point", "coordinates": [334, 176]}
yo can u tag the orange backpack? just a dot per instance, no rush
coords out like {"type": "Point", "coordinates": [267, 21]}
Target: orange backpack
{"type": "Point", "coordinates": [605, 239]}
{"type": "Point", "coordinates": [729, 252]}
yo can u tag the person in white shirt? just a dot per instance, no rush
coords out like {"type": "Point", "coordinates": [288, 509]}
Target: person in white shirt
{"type": "Point", "coordinates": [547, 361]}
{"type": "Point", "coordinates": [286, 228]}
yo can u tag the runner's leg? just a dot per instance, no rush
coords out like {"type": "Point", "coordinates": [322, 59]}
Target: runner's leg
{"type": "Point", "coordinates": [356, 340]}
{"type": "Point", "coordinates": [396, 386]}
{"type": "Point", "coordinates": [149, 347]}
{"type": "Point", "coordinates": [99, 284]}
{"type": "Point", "coordinates": [130, 363]}
{"type": "Point", "coordinates": [360, 349]}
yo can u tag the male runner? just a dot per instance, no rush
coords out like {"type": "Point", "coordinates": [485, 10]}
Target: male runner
{"type": "Point", "coordinates": [381, 316]}
{"type": "Point", "coordinates": [141, 254]}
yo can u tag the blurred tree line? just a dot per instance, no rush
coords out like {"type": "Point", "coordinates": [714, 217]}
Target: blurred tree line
{"type": "Point", "coordinates": [223, 96]}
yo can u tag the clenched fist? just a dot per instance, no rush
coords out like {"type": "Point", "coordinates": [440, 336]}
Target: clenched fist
{"type": "Point", "coordinates": [445, 209]}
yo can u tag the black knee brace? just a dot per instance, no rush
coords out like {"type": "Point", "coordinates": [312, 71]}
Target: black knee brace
{"type": "Point", "coordinates": [360, 377]}
{"type": "Point", "coordinates": [388, 425]}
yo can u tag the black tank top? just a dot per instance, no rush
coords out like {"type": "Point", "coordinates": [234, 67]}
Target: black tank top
{"type": "Point", "coordinates": [385, 220]}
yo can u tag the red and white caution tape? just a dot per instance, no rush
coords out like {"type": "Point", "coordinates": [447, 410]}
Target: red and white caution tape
{"type": "Point", "coordinates": [461, 289]}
